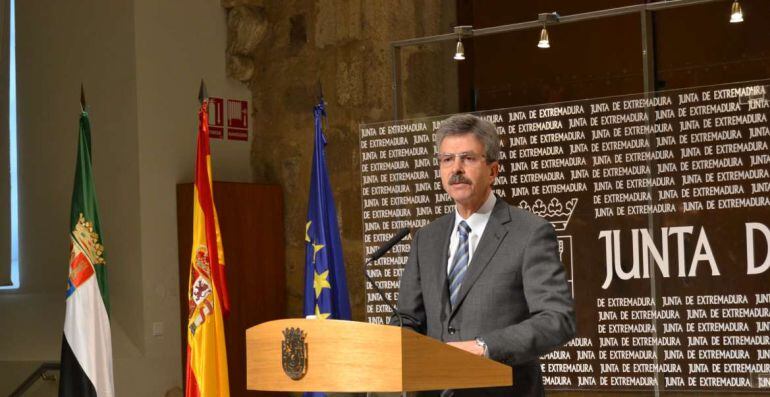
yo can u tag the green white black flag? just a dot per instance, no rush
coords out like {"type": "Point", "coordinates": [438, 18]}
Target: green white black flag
{"type": "Point", "coordinates": [86, 360]}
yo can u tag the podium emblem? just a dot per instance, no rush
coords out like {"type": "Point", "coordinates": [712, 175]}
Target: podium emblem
{"type": "Point", "coordinates": [294, 353]}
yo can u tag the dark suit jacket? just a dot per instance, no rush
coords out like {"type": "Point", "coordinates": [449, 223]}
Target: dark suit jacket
{"type": "Point", "coordinates": [514, 294]}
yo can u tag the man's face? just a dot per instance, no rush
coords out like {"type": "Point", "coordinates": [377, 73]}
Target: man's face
{"type": "Point", "coordinates": [467, 182]}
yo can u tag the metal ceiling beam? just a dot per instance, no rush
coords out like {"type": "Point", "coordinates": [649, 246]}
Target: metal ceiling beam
{"type": "Point", "coordinates": [645, 10]}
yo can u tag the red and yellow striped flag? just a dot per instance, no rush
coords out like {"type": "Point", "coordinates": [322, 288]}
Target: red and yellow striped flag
{"type": "Point", "coordinates": [207, 292]}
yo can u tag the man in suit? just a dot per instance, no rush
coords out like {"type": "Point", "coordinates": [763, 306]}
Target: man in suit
{"type": "Point", "coordinates": [486, 278]}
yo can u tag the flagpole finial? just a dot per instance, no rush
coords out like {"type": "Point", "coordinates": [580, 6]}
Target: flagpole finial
{"type": "Point", "coordinates": [202, 93]}
{"type": "Point", "coordinates": [82, 98]}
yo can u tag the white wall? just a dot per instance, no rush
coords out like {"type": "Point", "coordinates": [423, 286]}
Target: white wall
{"type": "Point", "coordinates": [141, 62]}
{"type": "Point", "coordinates": [177, 44]}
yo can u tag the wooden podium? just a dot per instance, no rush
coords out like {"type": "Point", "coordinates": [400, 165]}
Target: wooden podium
{"type": "Point", "coordinates": [348, 356]}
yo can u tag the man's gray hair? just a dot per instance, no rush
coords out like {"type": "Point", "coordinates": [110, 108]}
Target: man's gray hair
{"type": "Point", "coordinates": [464, 124]}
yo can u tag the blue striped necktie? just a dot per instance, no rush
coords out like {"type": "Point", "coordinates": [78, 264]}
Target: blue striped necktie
{"type": "Point", "coordinates": [459, 262]}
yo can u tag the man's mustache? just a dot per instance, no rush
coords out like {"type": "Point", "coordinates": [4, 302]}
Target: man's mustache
{"type": "Point", "coordinates": [458, 178]}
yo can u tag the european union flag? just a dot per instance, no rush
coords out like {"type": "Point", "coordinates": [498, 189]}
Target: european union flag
{"type": "Point", "coordinates": [326, 289]}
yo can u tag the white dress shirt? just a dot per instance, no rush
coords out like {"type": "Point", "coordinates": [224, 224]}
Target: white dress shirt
{"type": "Point", "coordinates": [477, 222]}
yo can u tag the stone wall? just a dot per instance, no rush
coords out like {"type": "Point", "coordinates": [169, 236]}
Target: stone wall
{"type": "Point", "coordinates": [284, 51]}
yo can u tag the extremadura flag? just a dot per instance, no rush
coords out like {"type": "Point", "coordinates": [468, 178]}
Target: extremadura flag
{"type": "Point", "coordinates": [86, 356]}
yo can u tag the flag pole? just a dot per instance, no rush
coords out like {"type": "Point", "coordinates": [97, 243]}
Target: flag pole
{"type": "Point", "coordinates": [82, 98]}
{"type": "Point", "coordinates": [202, 93]}
{"type": "Point", "coordinates": [322, 102]}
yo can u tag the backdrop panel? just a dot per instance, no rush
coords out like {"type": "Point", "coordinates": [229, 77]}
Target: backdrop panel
{"type": "Point", "coordinates": [660, 203]}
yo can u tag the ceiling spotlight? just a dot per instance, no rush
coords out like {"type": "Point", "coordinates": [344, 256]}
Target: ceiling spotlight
{"type": "Point", "coordinates": [736, 14]}
{"type": "Point", "coordinates": [546, 18]}
{"type": "Point", "coordinates": [462, 31]}
{"type": "Point", "coordinates": [460, 52]}
{"type": "Point", "coordinates": [544, 43]}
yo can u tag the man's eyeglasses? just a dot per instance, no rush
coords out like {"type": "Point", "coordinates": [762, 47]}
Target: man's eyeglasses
{"type": "Point", "coordinates": [467, 158]}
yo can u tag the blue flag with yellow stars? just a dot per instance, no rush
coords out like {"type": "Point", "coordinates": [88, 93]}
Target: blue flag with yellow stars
{"type": "Point", "coordinates": [326, 290]}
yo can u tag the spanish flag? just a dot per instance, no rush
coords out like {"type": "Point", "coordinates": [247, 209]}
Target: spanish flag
{"type": "Point", "coordinates": [207, 292]}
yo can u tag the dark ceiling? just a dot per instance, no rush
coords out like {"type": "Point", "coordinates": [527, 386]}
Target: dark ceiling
{"type": "Point", "coordinates": [693, 46]}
